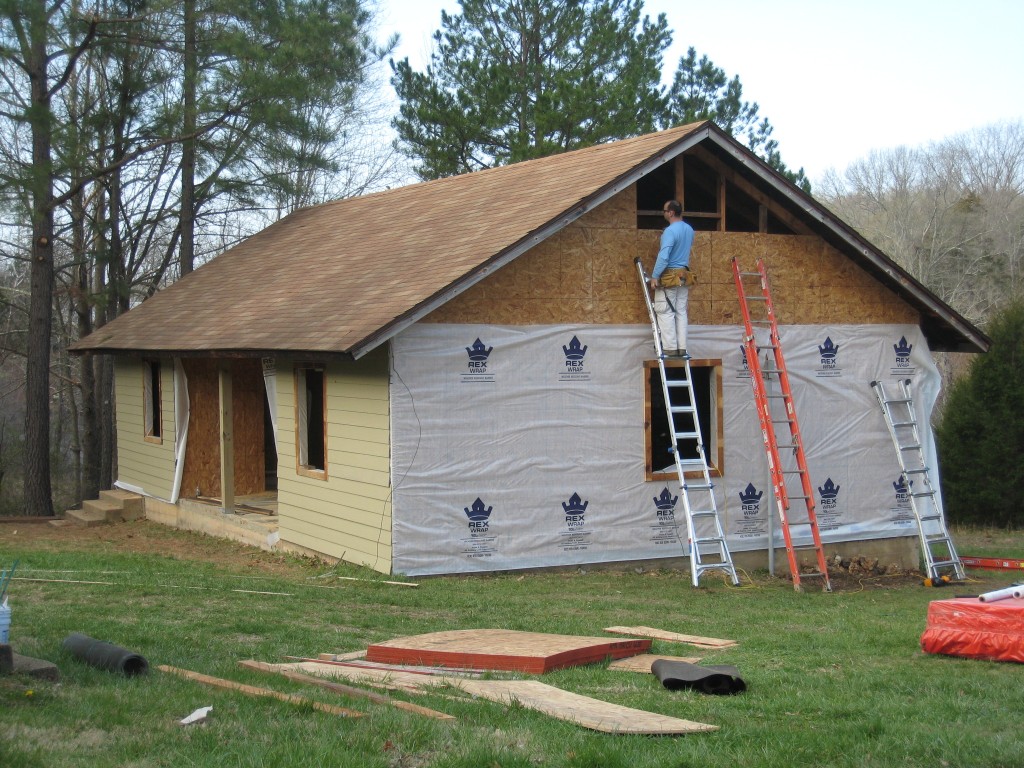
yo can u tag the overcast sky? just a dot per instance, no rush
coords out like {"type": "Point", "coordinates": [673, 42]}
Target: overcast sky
{"type": "Point", "coordinates": [835, 78]}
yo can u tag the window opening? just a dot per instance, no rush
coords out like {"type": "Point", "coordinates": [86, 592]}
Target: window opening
{"type": "Point", "coordinates": [153, 426]}
{"type": "Point", "coordinates": [312, 425]}
{"type": "Point", "coordinates": [707, 390]}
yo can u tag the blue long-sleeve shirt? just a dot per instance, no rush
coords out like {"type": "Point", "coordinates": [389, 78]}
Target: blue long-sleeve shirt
{"type": "Point", "coordinates": [676, 241]}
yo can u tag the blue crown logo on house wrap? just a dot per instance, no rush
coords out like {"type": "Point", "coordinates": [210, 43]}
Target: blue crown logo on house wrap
{"type": "Point", "coordinates": [828, 350]}
{"type": "Point", "coordinates": [665, 504]}
{"type": "Point", "coordinates": [574, 510]}
{"type": "Point", "coordinates": [479, 516]}
{"type": "Point", "coordinates": [750, 495]}
{"type": "Point", "coordinates": [902, 488]}
{"type": "Point", "coordinates": [750, 500]}
{"type": "Point", "coordinates": [478, 512]}
{"type": "Point", "coordinates": [829, 495]}
{"type": "Point", "coordinates": [903, 350]}
{"type": "Point", "coordinates": [479, 352]}
{"type": "Point", "coordinates": [829, 490]}
{"type": "Point", "coordinates": [574, 351]}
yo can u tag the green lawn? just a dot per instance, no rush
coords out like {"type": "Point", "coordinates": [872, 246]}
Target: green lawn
{"type": "Point", "coordinates": [834, 679]}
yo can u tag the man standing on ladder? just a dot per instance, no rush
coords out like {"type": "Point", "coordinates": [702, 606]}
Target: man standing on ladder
{"type": "Point", "coordinates": [671, 280]}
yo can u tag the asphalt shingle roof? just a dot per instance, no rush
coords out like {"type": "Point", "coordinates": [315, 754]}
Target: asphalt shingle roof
{"type": "Point", "coordinates": [328, 278]}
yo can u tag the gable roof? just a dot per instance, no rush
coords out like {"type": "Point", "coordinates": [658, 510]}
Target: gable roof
{"type": "Point", "coordinates": [343, 277]}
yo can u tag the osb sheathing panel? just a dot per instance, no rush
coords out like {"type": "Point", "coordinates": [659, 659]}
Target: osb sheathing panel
{"type": "Point", "coordinates": [585, 273]}
{"type": "Point", "coordinates": [202, 454]}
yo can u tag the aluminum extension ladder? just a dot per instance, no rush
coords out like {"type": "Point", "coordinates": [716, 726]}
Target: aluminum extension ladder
{"type": "Point", "coordinates": [705, 536]}
{"type": "Point", "coordinates": [936, 544]}
{"type": "Point", "coordinates": [796, 466]}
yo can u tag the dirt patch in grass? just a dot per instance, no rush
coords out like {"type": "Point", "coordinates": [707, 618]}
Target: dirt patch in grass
{"type": "Point", "coordinates": [148, 538]}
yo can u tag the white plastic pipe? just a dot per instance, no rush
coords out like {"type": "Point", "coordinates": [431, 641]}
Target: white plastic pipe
{"type": "Point", "coordinates": [999, 594]}
{"type": "Point", "coordinates": [1018, 592]}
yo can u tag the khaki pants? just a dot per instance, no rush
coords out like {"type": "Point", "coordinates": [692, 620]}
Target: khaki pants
{"type": "Point", "coordinates": [670, 307]}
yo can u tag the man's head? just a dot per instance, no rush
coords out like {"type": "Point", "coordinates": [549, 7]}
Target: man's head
{"type": "Point", "coordinates": [672, 210]}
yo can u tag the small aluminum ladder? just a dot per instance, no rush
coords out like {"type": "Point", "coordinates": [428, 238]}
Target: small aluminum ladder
{"type": "Point", "coordinates": [707, 546]}
{"type": "Point", "coordinates": [780, 471]}
{"type": "Point", "coordinates": [926, 501]}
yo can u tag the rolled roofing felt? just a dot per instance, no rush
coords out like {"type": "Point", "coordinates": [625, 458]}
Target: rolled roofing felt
{"type": "Point", "coordinates": [105, 655]}
{"type": "Point", "coordinates": [718, 679]}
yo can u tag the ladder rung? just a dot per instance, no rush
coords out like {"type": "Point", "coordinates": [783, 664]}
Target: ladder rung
{"type": "Point", "coordinates": [677, 383]}
{"type": "Point", "coordinates": [708, 540]}
{"type": "Point", "coordinates": [915, 447]}
{"type": "Point", "coordinates": [921, 471]}
{"type": "Point", "coordinates": [794, 471]}
{"type": "Point", "coordinates": [929, 518]}
{"type": "Point", "coordinates": [698, 486]}
{"type": "Point", "coordinates": [776, 397]}
{"type": "Point", "coordinates": [686, 436]}
{"type": "Point", "coordinates": [904, 423]}
{"type": "Point", "coordinates": [896, 400]}
{"type": "Point", "coordinates": [940, 563]}
{"type": "Point", "coordinates": [755, 298]}
{"type": "Point", "coordinates": [682, 409]}
{"type": "Point", "coordinates": [920, 494]}
{"type": "Point", "coordinates": [703, 513]}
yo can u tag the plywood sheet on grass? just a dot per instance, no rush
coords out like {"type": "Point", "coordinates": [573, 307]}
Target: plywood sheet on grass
{"type": "Point", "coordinates": [582, 710]}
{"type": "Point", "coordinates": [673, 637]}
{"type": "Point", "coordinates": [563, 705]}
{"type": "Point", "coordinates": [502, 649]}
{"type": "Point", "coordinates": [643, 662]}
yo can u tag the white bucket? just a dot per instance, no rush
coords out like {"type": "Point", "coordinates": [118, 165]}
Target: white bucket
{"type": "Point", "coordinates": [5, 623]}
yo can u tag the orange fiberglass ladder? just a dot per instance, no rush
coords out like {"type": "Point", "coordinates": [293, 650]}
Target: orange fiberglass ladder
{"type": "Point", "coordinates": [761, 296]}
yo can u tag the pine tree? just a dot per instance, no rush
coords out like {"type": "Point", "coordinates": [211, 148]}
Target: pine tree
{"type": "Point", "coordinates": [517, 79]}
{"type": "Point", "coordinates": [981, 432]}
{"type": "Point", "coordinates": [702, 91]}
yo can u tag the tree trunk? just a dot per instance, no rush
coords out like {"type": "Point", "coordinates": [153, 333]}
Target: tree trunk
{"type": "Point", "coordinates": [188, 146]}
{"type": "Point", "coordinates": [38, 495]}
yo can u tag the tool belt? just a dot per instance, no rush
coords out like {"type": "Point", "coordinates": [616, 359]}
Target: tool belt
{"type": "Point", "coordinates": [672, 278]}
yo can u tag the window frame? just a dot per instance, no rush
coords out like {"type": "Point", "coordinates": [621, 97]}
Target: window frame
{"type": "Point", "coordinates": [302, 436]}
{"type": "Point", "coordinates": [715, 452]}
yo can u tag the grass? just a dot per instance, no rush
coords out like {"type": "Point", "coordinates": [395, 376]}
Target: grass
{"type": "Point", "coordinates": [834, 679]}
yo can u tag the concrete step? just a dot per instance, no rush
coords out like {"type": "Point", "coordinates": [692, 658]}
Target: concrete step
{"type": "Point", "coordinates": [111, 511]}
{"type": "Point", "coordinates": [85, 518]}
{"type": "Point", "coordinates": [133, 506]}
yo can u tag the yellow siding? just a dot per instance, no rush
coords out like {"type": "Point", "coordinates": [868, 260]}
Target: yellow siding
{"type": "Point", "coordinates": [347, 515]}
{"type": "Point", "coordinates": [140, 463]}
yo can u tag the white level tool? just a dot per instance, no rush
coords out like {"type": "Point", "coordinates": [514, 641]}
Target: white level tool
{"type": "Point", "coordinates": [925, 500]}
{"type": "Point", "coordinates": [707, 547]}
{"type": "Point", "coordinates": [787, 463]}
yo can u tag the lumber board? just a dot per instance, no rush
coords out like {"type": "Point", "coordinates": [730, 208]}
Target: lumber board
{"type": "Point", "coordinates": [643, 662]}
{"type": "Point", "coordinates": [583, 711]}
{"type": "Point", "coordinates": [501, 649]}
{"type": "Point", "coordinates": [412, 682]}
{"type": "Point", "coordinates": [345, 690]}
{"type": "Point", "coordinates": [252, 690]}
{"type": "Point", "coordinates": [673, 637]}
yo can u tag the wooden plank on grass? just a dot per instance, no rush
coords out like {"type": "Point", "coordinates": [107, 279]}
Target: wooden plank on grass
{"type": "Point", "coordinates": [589, 713]}
{"type": "Point", "coordinates": [643, 662]}
{"type": "Point", "coordinates": [582, 710]}
{"type": "Point", "coordinates": [502, 649]}
{"type": "Point", "coordinates": [673, 637]}
{"type": "Point", "coordinates": [387, 679]}
{"type": "Point", "coordinates": [252, 690]}
{"type": "Point", "coordinates": [345, 690]}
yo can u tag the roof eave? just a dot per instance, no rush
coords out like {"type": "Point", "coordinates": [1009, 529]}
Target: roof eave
{"type": "Point", "coordinates": [973, 340]}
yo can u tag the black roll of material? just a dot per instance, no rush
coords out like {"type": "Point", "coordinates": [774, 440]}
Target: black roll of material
{"type": "Point", "coordinates": [718, 679]}
{"type": "Point", "coordinates": [105, 655]}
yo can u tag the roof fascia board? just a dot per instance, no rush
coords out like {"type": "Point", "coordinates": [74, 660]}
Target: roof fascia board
{"type": "Point", "coordinates": [819, 213]}
{"type": "Point", "coordinates": [536, 237]}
